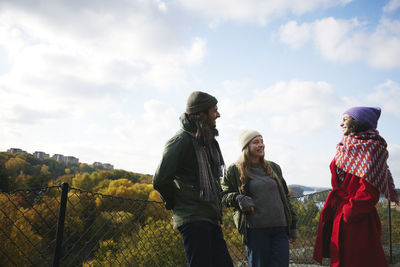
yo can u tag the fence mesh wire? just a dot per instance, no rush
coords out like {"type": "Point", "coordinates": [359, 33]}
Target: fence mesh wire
{"type": "Point", "coordinates": [102, 230]}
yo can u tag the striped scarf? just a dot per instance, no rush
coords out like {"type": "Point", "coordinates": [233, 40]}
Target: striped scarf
{"type": "Point", "coordinates": [209, 180]}
{"type": "Point", "coordinates": [211, 168]}
{"type": "Point", "coordinates": [365, 155]}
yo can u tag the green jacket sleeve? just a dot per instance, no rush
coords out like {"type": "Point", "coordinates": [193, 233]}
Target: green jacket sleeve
{"type": "Point", "coordinates": [293, 216]}
{"type": "Point", "coordinates": [230, 187]}
{"type": "Point", "coordinates": [291, 208]}
{"type": "Point", "coordinates": [165, 173]}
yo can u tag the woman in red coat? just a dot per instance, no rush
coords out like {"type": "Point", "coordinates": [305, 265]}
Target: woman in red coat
{"type": "Point", "coordinates": [349, 229]}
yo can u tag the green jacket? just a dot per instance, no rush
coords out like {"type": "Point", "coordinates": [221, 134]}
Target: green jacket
{"type": "Point", "coordinates": [231, 188]}
{"type": "Point", "coordinates": [177, 181]}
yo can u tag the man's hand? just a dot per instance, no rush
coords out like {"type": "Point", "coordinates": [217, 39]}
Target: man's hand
{"type": "Point", "coordinates": [250, 209]}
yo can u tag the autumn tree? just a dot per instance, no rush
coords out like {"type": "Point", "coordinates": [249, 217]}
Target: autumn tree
{"type": "Point", "coordinates": [83, 181]}
{"type": "Point", "coordinates": [127, 189]}
{"type": "Point", "coordinates": [20, 241]}
{"type": "Point", "coordinates": [155, 209]}
{"type": "Point", "coordinates": [21, 181]}
{"type": "Point", "coordinates": [15, 166]}
{"type": "Point", "coordinates": [155, 244]}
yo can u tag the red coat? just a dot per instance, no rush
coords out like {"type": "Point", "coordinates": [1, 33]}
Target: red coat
{"type": "Point", "coordinates": [349, 229]}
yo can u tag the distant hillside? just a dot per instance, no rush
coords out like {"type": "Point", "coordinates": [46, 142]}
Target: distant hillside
{"type": "Point", "coordinates": [23, 170]}
{"type": "Point", "coordinates": [300, 190]}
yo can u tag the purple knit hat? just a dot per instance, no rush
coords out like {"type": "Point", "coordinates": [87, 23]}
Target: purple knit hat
{"type": "Point", "coordinates": [367, 115]}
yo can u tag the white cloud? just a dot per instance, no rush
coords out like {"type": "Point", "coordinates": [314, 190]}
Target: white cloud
{"type": "Point", "coordinates": [348, 40]}
{"type": "Point", "coordinates": [387, 95]}
{"type": "Point", "coordinates": [295, 106]}
{"type": "Point", "coordinates": [255, 11]}
{"type": "Point", "coordinates": [383, 50]}
{"type": "Point", "coordinates": [64, 56]}
{"type": "Point", "coordinates": [159, 117]}
{"type": "Point", "coordinates": [165, 76]}
{"type": "Point", "coordinates": [298, 119]}
{"type": "Point", "coordinates": [295, 35]}
{"type": "Point", "coordinates": [393, 5]}
{"type": "Point", "coordinates": [74, 70]}
{"type": "Point", "coordinates": [155, 119]}
{"type": "Point", "coordinates": [300, 124]}
{"type": "Point", "coordinates": [197, 51]}
{"type": "Point", "coordinates": [146, 137]}
{"type": "Point", "coordinates": [170, 72]}
{"type": "Point", "coordinates": [94, 40]}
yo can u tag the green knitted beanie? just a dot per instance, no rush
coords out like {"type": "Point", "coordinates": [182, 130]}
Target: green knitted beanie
{"type": "Point", "coordinates": [200, 101]}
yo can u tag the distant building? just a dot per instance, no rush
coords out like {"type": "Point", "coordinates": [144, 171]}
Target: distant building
{"type": "Point", "coordinates": [97, 164]}
{"type": "Point", "coordinates": [16, 150]}
{"type": "Point", "coordinates": [70, 160]}
{"type": "Point", "coordinates": [58, 157]}
{"type": "Point", "coordinates": [65, 159]}
{"type": "Point", "coordinates": [106, 166]}
{"type": "Point", "coordinates": [40, 155]}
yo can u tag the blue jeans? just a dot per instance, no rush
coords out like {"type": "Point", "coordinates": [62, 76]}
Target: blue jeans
{"type": "Point", "coordinates": [204, 245]}
{"type": "Point", "coordinates": [268, 247]}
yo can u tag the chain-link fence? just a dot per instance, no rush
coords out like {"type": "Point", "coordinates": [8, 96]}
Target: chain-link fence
{"type": "Point", "coordinates": [62, 226]}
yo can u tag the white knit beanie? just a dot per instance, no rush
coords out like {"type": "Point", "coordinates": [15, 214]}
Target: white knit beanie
{"type": "Point", "coordinates": [245, 136]}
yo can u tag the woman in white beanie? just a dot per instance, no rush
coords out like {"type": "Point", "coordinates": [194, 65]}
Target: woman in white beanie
{"type": "Point", "coordinates": [263, 214]}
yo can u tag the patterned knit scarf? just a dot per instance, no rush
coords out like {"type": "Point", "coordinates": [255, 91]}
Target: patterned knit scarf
{"type": "Point", "coordinates": [365, 155]}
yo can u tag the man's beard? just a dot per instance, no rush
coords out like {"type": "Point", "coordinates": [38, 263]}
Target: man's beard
{"type": "Point", "coordinates": [205, 131]}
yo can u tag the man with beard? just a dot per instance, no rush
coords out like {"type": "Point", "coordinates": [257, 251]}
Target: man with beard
{"type": "Point", "coordinates": [188, 180]}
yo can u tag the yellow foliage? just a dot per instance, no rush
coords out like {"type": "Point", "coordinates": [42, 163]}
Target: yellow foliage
{"type": "Point", "coordinates": [142, 190]}
{"type": "Point", "coordinates": [101, 185]}
{"type": "Point", "coordinates": [124, 188]}
{"type": "Point", "coordinates": [118, 217]}
{"type": "Point", "coordinates": [155, 196]}
{"type": "Point", "coordinates": [44, 170]}
{"type": "Point", "coordinates": [155, 209]}
{"type": "Point", "coordinates": [155, 244]}
{"type": "Point", "coordinates": [21, 180]}
{"type": "Point", "coordinates": [19, 241]}
{"type": "Point", "coordinates": [67, 178]}
{"type": "Point", "coordinates": [16, 165]}
{"type": "Point", "coordinates": [127, 189]}
{"type": "Point", "coordinates": [83, 181]}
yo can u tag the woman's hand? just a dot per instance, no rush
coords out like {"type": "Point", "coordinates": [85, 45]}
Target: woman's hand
{"type": "Point", "coordinates": [246, 203]}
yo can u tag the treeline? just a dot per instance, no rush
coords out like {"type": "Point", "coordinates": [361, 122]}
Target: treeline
{"type": "Point", "coordinates": [21, 171]}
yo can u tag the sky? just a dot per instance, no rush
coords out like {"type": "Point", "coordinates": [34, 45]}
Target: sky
{"type": "Point", "coordinates": [107, 80]}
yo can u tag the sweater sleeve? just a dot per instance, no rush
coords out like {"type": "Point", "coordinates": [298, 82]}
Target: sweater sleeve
{"type": "Point", "coordinates": [165, 173]}
{"type": "Point", "coordinates": [363, 202]}
{"type": "Point", "coordinates": [277, 169]}
{"type": "Point", "coordinates": [229, 188]}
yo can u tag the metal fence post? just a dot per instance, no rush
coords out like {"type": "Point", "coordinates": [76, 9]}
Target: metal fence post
{"type": "Point", "coordinates": [60, 224]}
{"type": "Point", "coordinates": [390, 233]}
